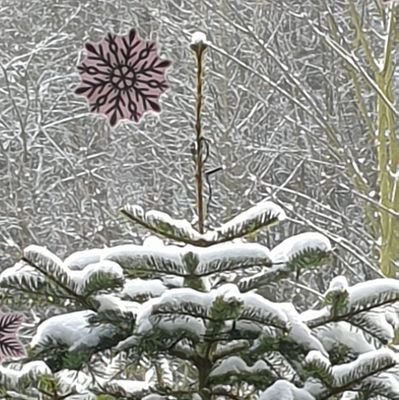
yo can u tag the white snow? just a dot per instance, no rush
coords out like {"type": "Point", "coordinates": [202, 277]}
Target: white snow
{"type": "Point", "coordinates": [129, 387]}
{"type": "Point", "coordinates": [379, 319]}
{"type": "Point", "coordinates": [48, 261]}
{"type": "Point", "coordinates": [387, 382]}
{"type": "Point", "coordinates": [315, 356]}
{"type": "Point", "coordinates": [186, 295]}
{"type": "Point", "coordinates": [345, 373]}
{"type": "Point", "coordinates": [229, 292]}
{"type": "Point", "coordinates": [71, 330]}
{"type": "Point", "coordinates": [33, 368]}
{"type": "Point", "coordinates": [349, 396]}
{"type": "Point", "coordinates": [140, 287]}
{"type": "Point", "coordinates": [146, 322]}
{"type": "Point", "coordinates": [74, 381]}
{"type": "Point", "coordinates": [299, 332]}
{"type": "Point", "coordinates": [339, 283]}
{"type": "Point", "coordinates": [153, 241]}
{"type": "Point", "coordinates": [362, 293]}
{"type": "Point", "coordinates": [254, 213]}
{"type": "Point", "coordinates": [236, 365]}
{"type": "Point", "coordinates": [260, 305]}
{"type": "Point", "coordinates": [311, 315]}
{"type": "Point", "coordinates": [346, 334]}
{"type": "Point", "coordinates": [173, 281]}
{"type": "Point", "coordinates": [20, 272]}
{"type": "Point", "coordinates": [39, 255]}
{"type": "Point", "coordinates": [198, 37]}
{"type": "Point", "coordinates": [297, 244]}
{"type": "Point", "coordinates": [112, 302]}
{"type": "Point", "coordinates": [132, 257]}
{"type": "Point", "coordinates": [106, 268]}
{"type": "Point", "coordinates": [225, 256]}
{"type": "Point", "coordinates": [284, 390]}
{"type": "Point", "coordinates": [81, 259]}
{"type": "Point", "coordinates": [153, 397]}
{"type": "Point", "coordinates": [176, 299]}
{"type": "Point", "coordinates": [162, 221]}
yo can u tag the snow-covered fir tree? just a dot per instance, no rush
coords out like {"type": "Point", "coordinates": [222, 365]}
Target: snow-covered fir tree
{"type": "Point", "coordinates": [151, 321]}
{"type": "Point", "coordinates": [183, 315]}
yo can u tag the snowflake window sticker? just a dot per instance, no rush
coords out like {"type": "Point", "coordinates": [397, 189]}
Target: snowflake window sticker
{"type": "Point", "coordinates": [10, 346]}
{"type": "Point", "coordinates": [122, 77]}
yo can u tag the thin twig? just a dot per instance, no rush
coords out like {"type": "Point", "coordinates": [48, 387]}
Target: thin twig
{"type": "Point", "coordinates": [199, 161]}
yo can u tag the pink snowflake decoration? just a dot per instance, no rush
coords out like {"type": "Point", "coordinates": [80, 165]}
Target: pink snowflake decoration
{"type": "Point", "coordinates": [122, 77]}
{"type": "Point", "coordinates": [10, 346]}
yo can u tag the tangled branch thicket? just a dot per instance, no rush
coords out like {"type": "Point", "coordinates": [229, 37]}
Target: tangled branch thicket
{"type": "Point", "coordinates": [279, 109]}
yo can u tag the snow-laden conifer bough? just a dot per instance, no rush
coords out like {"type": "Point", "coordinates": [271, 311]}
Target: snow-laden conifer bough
{"type": "Point", "coordinates": [156, 321]}
{"type": "Point", "coordinates": [135, 300]}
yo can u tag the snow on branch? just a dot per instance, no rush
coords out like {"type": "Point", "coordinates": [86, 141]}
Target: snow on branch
{"type": "Point", "coordinates": [284, 390]}
{"type": "Point", "coordinates": [23, 277]}
{"type": "Point", "coordinates": [362, 372]}
{"type": "Point", "coordinates": [374, 293]}
{"type": "Point", "coordinates": [264, 277]}
{"type": "Point", "coordinates": [345, 335]}
{"type": "Point", "coordinates": [364, 366]}
{"type": "Point", "coordinates": [126, 388]}
{"type": "Point", "coordinates": [104, 275]}
{"type": "Point", "coordinates": [157, 314]}
{"type": "Point", "coordinates": [72, 331]}
{"type": "Point", "coordinates": [319, 366]}
{"type": "Point", "coordinates": [31, 372]}
{"type": "Point", "coordinates": [76, 382]}
{"type": "Point", "coordinates": [261, 215]}
{"type": "Point", "coordinates": [384, 384]}
{"type": "Point", "coordinates": [142, 261]}
{"type": "Point", "coordinates": [302, 251]}
{"type": "Point", "coordinates": [258, 309]}
{"type": "Point", "coordinates": [111, 308]}
{"type": "Point", "coordinates": [299, 333]}
{"type": "Point", "coordinates": [198, 314]}
{"type": "Point", "coordinates": [43, 273]}
{"type": "Point", "coordinates": [178, 302]}
{"type": "Point", "coordinates": [348, 303]}
{"type": "Point", "coordinates": [163, 224]}
{"type": "Point", "coordinates": [81, 259]}
{"type": "Point", "coordinates": [187, 261]}
{"type": "Point", "coordinates": [48, 264]}
{"type": "Point", "coordinates": [375, 325]}
{"type": "Point", "coordinates": [234, 367]}
{"type": "Point", "coordinates": [305, 250]}
{"type": "Point", "coordinates": [142, 289]}
{"type": "Point", "coordinates": [230, 256]}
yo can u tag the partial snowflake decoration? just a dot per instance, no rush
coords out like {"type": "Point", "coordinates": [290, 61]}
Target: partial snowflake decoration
{"type": "Point", "coordinates": [122, 77]}
{"type": "Point", "coordinates": [10, 346]}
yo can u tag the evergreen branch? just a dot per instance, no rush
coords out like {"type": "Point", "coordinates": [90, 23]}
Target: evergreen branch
{"type": "Point", "coordinates": [263, 214]}
{"type": "Point", "coordinates": [374, 330]}
{"type": "Point", "coordinates": [200, 242]}
{"type": "Point", "coordinates": [357, 381]}
{"type": "Point", "coordinates": [326, 319]}
{"type": "Point", "coordinates": [65, 288]}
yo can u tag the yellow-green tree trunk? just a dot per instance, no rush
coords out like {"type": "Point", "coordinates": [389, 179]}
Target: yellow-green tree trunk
{"type": "Point", "coordinates": [388, 156]}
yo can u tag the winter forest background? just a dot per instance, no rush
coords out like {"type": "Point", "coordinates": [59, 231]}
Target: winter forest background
{"type": "Point", "coordinates": [285, 112]}
{"type": "Point", "coordinates": [300, 108]}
